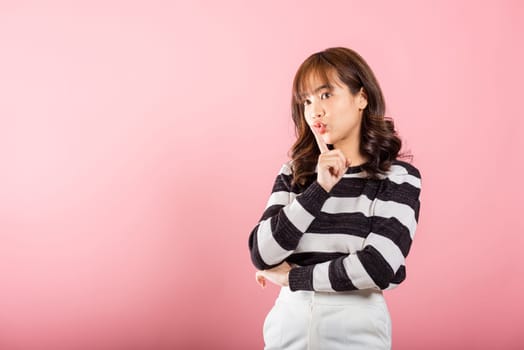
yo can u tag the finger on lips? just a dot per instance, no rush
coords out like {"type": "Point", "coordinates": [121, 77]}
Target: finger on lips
{"type": "Point", "coordinates": [322, 146]}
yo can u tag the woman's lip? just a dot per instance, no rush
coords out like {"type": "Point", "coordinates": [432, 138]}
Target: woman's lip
{"type": "Point", "coordinates": [320, 127]}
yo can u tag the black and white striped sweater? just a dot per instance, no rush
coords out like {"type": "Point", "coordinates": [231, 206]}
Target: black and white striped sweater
{"type": "Point", "coordinates": [357, 236]}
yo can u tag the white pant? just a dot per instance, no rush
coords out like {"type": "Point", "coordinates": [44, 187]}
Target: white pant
{"type": "Point", "coordinates": [304, 320]}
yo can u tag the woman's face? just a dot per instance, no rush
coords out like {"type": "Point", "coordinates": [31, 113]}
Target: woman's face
{"type": "Point", "coordinates": [334, 110]}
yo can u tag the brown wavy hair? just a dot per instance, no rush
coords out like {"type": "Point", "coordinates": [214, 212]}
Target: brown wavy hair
{"type": "Point", "coordinates": [379, 141]}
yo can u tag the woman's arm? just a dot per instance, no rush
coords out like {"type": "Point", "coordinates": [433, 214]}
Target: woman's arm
{"type": "Point", "coordinates": [380, 264]}
{"type": "Point", "coordinates": [285, 219]}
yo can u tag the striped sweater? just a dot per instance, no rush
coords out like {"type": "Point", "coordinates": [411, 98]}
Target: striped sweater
{"type": "Point", "coordinates": [357, 236]}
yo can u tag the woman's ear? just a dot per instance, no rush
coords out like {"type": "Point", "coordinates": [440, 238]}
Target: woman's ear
{"type": "Point", "coordinates": [362, 99]}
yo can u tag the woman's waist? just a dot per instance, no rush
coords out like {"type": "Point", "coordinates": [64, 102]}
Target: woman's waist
{"type": "Point", "coordinates": [360, 296]}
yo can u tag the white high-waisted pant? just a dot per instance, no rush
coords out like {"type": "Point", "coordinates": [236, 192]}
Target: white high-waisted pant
{"type": "Point", "coordinates": [304, 320]}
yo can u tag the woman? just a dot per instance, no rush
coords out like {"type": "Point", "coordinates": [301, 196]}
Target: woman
{"type": "Point", "coordinates": [342, 214]}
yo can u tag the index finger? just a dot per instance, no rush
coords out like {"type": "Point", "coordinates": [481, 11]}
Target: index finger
{"type": "Point", "coordinates": [322, 146]}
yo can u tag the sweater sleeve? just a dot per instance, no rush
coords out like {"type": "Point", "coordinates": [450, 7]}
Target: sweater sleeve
{"type": "Point", "coordinates": [380, 264]}
{"type": "Point", "coordinates": [285, 219]}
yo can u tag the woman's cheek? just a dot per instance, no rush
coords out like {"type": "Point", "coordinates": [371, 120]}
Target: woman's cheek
{"type": "Point", "coordinates": [309, 120]}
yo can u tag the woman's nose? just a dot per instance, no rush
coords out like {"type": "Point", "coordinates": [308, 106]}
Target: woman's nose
{"type": "Point", "coordinates": [318, 111]}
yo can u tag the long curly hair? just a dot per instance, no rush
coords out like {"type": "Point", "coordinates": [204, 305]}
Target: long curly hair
{"type": "Point", "coordinates": [379, 141]}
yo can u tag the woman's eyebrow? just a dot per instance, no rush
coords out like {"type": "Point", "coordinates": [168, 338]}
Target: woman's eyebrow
{"type": "Point", "coordinates": [321, 87]}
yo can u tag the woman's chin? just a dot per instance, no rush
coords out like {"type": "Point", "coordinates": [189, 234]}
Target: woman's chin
{"type": "Point", "coordinates": [328, 140]}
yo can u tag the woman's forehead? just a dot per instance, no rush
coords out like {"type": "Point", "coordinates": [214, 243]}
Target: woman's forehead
{"type": "Point", "coordinates": [316, 80]}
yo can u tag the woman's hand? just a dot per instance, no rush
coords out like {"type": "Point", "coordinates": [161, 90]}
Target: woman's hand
{"type": "Point", "coordinates": [279, 275]}
{"type": "Point", "coordinates": [332, 164]}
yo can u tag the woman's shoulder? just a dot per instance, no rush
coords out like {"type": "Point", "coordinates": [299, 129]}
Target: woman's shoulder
{"type": "Point", "coordinates": [400, 168]}
{"type": "Point", "coordinates": [286, 168]}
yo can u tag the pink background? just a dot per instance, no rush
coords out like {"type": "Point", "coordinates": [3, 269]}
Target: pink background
{"type": "Point", "coordinates": [139, 142]}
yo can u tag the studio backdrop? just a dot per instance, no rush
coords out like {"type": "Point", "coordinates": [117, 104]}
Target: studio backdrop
{"type": "Point", "coordinates": [139, 142]}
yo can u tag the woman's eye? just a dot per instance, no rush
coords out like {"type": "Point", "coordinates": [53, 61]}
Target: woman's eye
{"type": "Point", "coordinates": [306, 102]}
{"type": "Point", "coordinates": [325, 95]}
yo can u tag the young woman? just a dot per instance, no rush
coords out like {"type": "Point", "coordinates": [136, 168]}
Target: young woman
{"type": "Point", "coordinates": [342, 213]}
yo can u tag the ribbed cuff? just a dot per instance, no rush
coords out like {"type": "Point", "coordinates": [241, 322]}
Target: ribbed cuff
{"type": "Point", "coordinates": [313, 198]}
{"type": "Point", "coordinates": [301, 278]}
